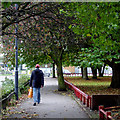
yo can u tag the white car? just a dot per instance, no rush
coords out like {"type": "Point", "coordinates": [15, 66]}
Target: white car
{"type": "Point", "coordinates": [46, 74]}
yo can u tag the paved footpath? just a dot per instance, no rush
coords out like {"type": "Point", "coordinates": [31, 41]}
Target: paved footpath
{"type": "Point", "coordinates": [53, 104]}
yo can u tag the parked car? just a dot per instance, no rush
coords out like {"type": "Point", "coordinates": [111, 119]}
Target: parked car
{"type": "Point", "coordinates": [46, 74]}
{"type": "Point", "coordinates": [46, 71]}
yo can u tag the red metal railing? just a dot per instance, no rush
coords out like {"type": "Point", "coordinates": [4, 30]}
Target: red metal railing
{"type": "Point", "coordinates": [103, 114]}
{"type": "Point", "coordinates": [73, 74]}
{"type": "Point", "coordinates": [86, 99]}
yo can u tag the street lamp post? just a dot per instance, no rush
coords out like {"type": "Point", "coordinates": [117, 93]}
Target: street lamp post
{"type": "Point", "coordinates": [16, 58]}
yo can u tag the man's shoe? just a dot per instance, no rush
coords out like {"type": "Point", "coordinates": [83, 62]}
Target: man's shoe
{"type": "Point", "coordinates": [34, 104]}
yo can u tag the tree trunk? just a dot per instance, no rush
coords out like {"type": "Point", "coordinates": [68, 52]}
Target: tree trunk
{"type": "Point", "coordinates": [115, 83]}
{"type": "Point", "coordinates": [101, 72]}
{"type": "Point", "coordinates": [53, 70]}
{"type": "Point", "coordinates": [94, 72]}
{"type": "Point", "coordinates": [85, 75]}
{"type": "Point", "coordinates": [82, 71]}
{"type": "Point", "coordinates": [61, 83]}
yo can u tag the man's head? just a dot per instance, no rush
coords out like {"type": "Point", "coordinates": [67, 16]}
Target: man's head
{"type": "Point", "coordinates": [37, 66]}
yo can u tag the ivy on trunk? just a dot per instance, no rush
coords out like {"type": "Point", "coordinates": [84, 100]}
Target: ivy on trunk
{"type": "Point", "coordinates": [61, 83]}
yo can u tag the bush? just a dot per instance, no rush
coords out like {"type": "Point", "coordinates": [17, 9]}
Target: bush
{"type": "Point", "coordinates": [23, 79]}
{"type": "Point", "coordinates": [8, 84]}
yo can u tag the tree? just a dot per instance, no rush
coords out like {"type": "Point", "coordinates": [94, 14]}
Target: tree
{"type": "Point", "coordinates": [52, 40]}
{"type": "Point", "coordinates": [84, 59]}
{"type": "Point", "coordinates": [25, 11]}
{"type": "Point", "coordinates": [100, 21]}
{"type": "Point", "coordinates": [49, 38]}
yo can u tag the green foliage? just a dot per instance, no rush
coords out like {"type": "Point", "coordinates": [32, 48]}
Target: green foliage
{"type": "Point", "coordinates": [43, 44]}
{"type": "Point", "coordinates": [23, 79]}
{"type": "Point", "coordinates": [99, 25]}
{"type": "Point", "coordinates": [90, 58]}
{"type": "Point", "coordinates": [92, 25]}
{"type": "Point", "coordinates": [86, 58]}
{"type": "Point", "coordinates": [7, 4]}
{"type": "Point", "coordinates": [8, 84]}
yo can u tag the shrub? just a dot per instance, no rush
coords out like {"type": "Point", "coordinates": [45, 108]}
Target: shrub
{"type": "Point", "coordinates": [8, 84]}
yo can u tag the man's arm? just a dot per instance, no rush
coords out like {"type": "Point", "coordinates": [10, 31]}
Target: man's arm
{"type": "Point", "coordinates": [42, 80]}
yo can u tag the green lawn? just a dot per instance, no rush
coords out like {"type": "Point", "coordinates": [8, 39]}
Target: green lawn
{"type": "Point", "coordinates": [93, 86]}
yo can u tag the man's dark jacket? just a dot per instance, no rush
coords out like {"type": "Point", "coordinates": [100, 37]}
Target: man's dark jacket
{"type": "Point", "coordinates": [37, 78]}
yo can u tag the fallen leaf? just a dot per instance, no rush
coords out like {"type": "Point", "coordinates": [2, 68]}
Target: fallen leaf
{"type": "Point", "coordinates": [116, 114]}
{"type": "Point", "coordinates": [28, 115]}
{"type": "Point", "coordinates": [22, 111]}
{"type": "Point", "coordinates": [115, 110]}
{"type": "Point", "coordinates": [23, 116]}
{"type": "Point", "coordinates": [34, 114]}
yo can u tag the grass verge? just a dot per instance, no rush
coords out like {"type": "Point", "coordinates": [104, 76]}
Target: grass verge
{"type": "Point", "coordinates": [94, 86]}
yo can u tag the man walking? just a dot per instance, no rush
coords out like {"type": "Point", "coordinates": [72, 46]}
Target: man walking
{"type": "Point", "coordinates": [37, 82]}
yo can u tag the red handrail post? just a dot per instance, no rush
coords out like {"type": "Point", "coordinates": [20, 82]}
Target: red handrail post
{"type": "Point", "coordinates": [81, 97]}
{"type": "Point", "coordinates": [84, 100]}
{"type": "Point", "coordinates": [108, 114]}
{"type": "Point", "coordinates": [90, 104]}
{"type": "Point", "coordinates": [77, 94]}
{"type": "Point", "coordinates": [101, 115]}
{"type": "Point", "coordinates": [88, 101]}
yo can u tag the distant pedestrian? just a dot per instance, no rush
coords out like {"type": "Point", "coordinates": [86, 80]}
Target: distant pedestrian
{"type": "Point", "coordinates": [37, 82]}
